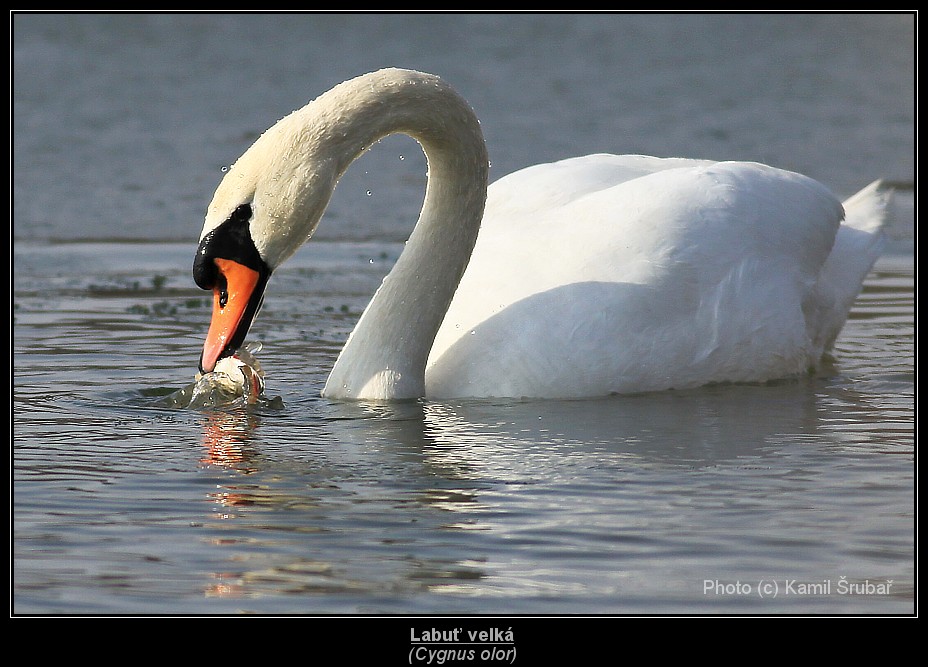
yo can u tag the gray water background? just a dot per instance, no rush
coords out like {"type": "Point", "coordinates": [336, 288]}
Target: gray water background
{"type": "Point", "coordinates": [660, 503]}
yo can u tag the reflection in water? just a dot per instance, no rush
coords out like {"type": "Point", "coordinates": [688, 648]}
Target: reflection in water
{"type": "Point", "coordinates": [409, 483]}
{"type": "Point", "coordinates": [692, 427]}
{"type": "Point", "coordinates": [225, 586]}
{"type": "Point", "coordinates": [371, 480]}
{"type": "Point", "coordinates": [226, 437]}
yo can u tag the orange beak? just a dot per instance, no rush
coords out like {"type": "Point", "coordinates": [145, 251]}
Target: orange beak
{"type": "Point", "coordinates": [229, 307]}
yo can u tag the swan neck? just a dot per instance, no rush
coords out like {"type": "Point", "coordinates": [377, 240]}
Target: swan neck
{"type": "Point", "coordinates": [386, 354]}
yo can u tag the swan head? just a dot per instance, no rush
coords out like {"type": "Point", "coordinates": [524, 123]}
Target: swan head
{"type": "Point", "coordinates": [228, 263]}
{"type": "Point", "coordinates": [266, 206]}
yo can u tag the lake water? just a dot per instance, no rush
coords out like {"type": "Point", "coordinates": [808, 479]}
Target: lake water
{"type": "Point", "coordinates": [794, 497]}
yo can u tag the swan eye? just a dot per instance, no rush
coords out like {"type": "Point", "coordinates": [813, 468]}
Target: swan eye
{"type": "Point", "coordinates": [242, 213]}
{"type": "Point", "coordinates": [230, 241]}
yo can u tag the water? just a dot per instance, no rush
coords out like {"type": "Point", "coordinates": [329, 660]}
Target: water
{"type": "Point", "coordinates": [677, 502]}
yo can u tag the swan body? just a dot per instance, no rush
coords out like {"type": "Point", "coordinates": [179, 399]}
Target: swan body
{"type": "Point", "coordinates": [589, 276]}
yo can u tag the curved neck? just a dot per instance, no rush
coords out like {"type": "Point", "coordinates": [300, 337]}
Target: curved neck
{"type": "Point", "coordinates": [386, 354]}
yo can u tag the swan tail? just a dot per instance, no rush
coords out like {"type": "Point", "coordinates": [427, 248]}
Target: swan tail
{"type": "Point", "coordinates": [858, 243]}
{"type": "Point", "coordinates": [867, 210]}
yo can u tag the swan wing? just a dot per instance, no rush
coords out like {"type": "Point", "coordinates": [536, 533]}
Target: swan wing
{"type": "Point", "coordinates": [651, 274]}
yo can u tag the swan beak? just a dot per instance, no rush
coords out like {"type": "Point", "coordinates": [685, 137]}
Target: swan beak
{"type": "Point", "coordinates": [233, 299]}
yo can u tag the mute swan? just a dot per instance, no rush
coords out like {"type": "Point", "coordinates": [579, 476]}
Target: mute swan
{"type": "Point", "coordinates": [594, 275]}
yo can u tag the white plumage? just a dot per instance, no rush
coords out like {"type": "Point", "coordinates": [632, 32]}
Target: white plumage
{"type": "Point", "coordinates": [621, 274]}
{"type": "Point", "coordinates": [594, 275]}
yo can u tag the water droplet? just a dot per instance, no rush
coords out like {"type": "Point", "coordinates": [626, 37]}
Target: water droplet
{"type": "Point", "coordinates": [371, 260]}
{"type": "Point", "coordinates": [402, 157]}
{"type": "Point", "coordinates": [369, 193]}
{"type": "Point", "coordinates": [223, 169]}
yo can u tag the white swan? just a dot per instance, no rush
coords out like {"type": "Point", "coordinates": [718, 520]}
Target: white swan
{"type": "Point", "coordinates": [595, 275]}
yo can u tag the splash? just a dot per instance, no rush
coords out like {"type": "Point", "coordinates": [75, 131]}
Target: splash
{"type": "Point", "coordinates": [236, 380]}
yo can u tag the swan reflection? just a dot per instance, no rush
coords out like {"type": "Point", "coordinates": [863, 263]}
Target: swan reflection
{"type": "Point", "coordinates": [414, 481]}
{"type": "Point", "coordinates": [226, 437]}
